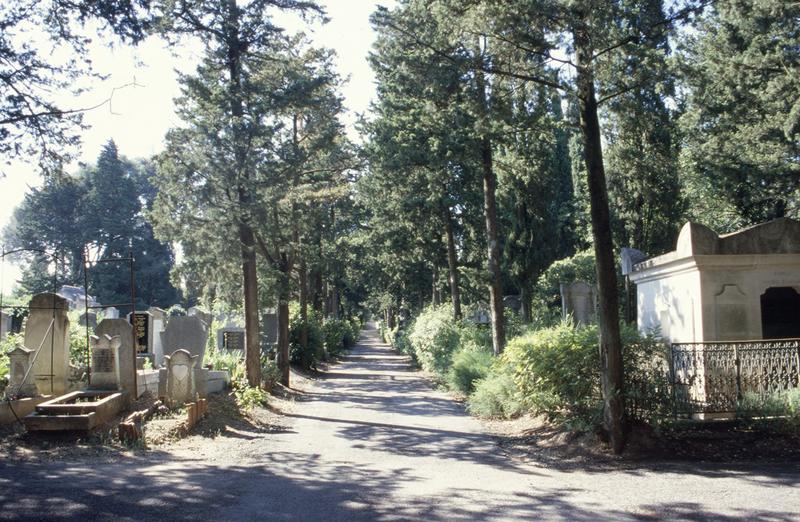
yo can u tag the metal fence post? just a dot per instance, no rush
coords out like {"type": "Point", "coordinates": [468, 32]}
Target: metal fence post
{"type": "Point", "coordinates": [738, 372]}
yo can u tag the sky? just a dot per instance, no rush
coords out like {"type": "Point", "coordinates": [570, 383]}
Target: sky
{"type": "Point", "coordinates": [142, 83]}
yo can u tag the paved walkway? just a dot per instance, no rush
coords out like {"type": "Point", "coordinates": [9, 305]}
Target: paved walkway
{"type": "Point", "coordinates": [375, 442]}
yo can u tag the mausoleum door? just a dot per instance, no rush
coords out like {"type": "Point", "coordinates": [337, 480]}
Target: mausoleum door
{"type": "Point", "coordinates": [780, 313]}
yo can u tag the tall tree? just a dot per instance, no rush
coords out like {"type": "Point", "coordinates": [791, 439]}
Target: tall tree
{"type": "Point", "coordinates": [742, 112]}
{"type": "Point", "coordinates": [580, 33]}
{"type": "Point", "coordinates": [102, 207]}
{"type": "Point", "coordinates": [224, 109]}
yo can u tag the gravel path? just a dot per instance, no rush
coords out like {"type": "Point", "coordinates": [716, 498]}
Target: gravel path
{"type": "Point", "coordinates": [373, 441]}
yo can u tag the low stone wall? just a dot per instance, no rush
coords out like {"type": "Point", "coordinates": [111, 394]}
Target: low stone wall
{"type": "Point", "coordinates": [22, 407]}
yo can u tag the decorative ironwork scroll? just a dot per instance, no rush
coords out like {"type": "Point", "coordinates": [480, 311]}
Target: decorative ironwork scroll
{"type": "Point", "coordinates": [714, 376]}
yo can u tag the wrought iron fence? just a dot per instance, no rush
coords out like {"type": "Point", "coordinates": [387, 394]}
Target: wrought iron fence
{"type": "Point", "coordinates": [712, 377]}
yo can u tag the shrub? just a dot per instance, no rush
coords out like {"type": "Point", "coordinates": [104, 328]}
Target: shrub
{"type": "Point", "coordinates": [227, 360]}
{"type": "Point", "coordinates": [469, 365]}
{"type": "Point", "coordinates": [249, 397]}
{"type": "Point", "coordinates": [581, 266]}
{"type": "Point", "coordinates": [435, 336]}
{"type": "Point", "coordinates": [496, 395]}
{"type": "Point", "coordinates": [338, 335]}
{"type": "Point", "coordinates": [556, 369]}
{"type": "Point", "coordinates": [270, 374]}
{"type": "Point", "coordinates": [313, 353]}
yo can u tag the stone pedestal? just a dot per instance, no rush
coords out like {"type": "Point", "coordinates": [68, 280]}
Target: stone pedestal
{"type": "Point", "coordinates": [20, 382]}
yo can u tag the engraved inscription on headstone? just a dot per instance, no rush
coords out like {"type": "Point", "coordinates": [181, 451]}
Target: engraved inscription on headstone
{"type": "Point", "coordinates": [232, 340]}
{"type": "Point", "coordinates": [141, 325]}
{"type": "Point", "coordinates": [103, 360]}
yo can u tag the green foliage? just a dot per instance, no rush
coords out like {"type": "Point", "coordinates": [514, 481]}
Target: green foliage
{"type": "Point", "coordinates": [435, 336]}
{"type": "Point", "coordinates": [248, 397]}
{"type": "Point", "coordinates": [741, 120]}
{"type": "Point", "coordinates": [496, 396]}
{"type": "Point", "coordinates": [784, 405]}
{"type": "Point", "coordinates": [556, 370]}
{"type": "Point", "coordinates": [78, 345]}
{"type": "Point", "coordinates": [270, 374]}
{"type": "Point", "coordinates": [338, 335]}
{"type": "Point", "coordinates": [226, 360]}
{"type": "Point", "coordinates": [581, 266]}
{"type": "Point", "coordinates": [309, 356]}
{"type": "Point", "coordinates": [469, 365]}
{"type": "Point", "coordinates": [6, 345]}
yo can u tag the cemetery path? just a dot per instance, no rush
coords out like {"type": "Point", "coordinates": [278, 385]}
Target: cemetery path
{"type": "Point", "coordinates": [374, 441]}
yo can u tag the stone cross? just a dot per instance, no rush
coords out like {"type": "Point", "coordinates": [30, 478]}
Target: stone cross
{"type": "Point", "coordinates": [105, 361]}
{"type": "Point", "coordinates": [181, 386]}
{"type": "Point", "coordinates": [20, 359]}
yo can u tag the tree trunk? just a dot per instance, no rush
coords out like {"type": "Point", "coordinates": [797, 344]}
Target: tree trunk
{"type": "Point", "coordinates": [303, 305]}
{"type": "Point", "coordinates": [246, 236]}
{"type": "Point", "coordinates": [452, 265]}
{"type": "Point", "coordinates": [490, 214]}
{"type": "Point", "coordinates": [316, 285]}
{"type": "Point", "coordinates": [334, 301]}
{"type": "Point", "coordinates": [525, 304]}
{"type": "Point", "coordinates": [283, 336]}
{"type": "Point", "coordinates": [436, 296]}
{"type": "Point", "coordinates": [252, 345]}
{"type": "Point", "coordinates": [610, 342]}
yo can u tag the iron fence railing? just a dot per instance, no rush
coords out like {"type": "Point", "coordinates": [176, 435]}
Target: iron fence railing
{"type": "Point", "coordinates": [712, 377]}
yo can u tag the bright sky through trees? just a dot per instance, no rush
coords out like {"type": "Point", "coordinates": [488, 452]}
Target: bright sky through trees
{"type": "Point", "coordinates": [143, 84]}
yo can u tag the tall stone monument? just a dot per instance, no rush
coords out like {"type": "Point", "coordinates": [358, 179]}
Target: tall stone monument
{"type": "Point", "coordinates": [47, 332]}
{"type": "Point", "coordinates": [159, 323]}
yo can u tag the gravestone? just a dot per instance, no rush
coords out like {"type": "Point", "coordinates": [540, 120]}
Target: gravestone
{"type": "Point", "coordinates": [105, 361]}
{"type": "Point", "coordinates": [159, 322]}
{"type": "Point", "coordinates": [123, 330]}
{"type": "Point", "coordinates": [5, 325]}
{"type": "Point", "coordinates": [143, 326]}
{"type": "Point", "coordinates": [579, 299]}
{"type": "Point", "coordinates": [111, 313]}
{"type": "Point", "coordinates": [19, 362]}
{"type": "Point", "coordinates": [269, 322]}
{"type": "Point", "coordinates": [480, 317]}
{"type": "Point", "coordinates": [512, 302]}
{"type": "Point", "coordinates": [47, 332]}
{"type": "Point", "coordinates": [206, 317]}
{"type": "Point", "coordinates": [232, 338]}
{"type": "Point", "coordinates": [186, 333]}
{"type": "Point", "coordinates": [180, 377]}
{"type": "Point", "coordinates": [91, 317]}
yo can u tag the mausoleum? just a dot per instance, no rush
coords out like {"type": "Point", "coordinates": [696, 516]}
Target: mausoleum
{"type": "Point", "coordinates": [730, 307]}
{"type": "Point", "coordinates": [739, 286]}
